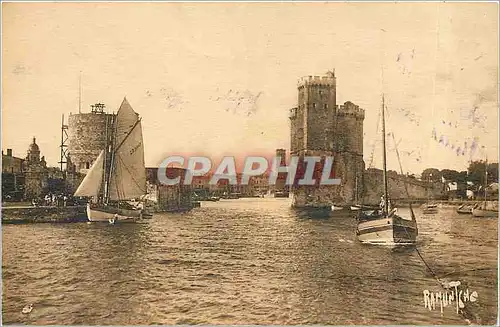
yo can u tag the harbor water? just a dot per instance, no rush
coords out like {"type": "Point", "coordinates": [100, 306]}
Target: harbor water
{"type": "Point", "coordinates": [244, 261]}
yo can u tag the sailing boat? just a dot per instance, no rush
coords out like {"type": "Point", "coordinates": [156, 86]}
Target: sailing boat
{"type": "Point", "coordinates": [383, 226]}
{"type": "Point", "coordinates": [118, 174]}
{"type": "Point", "coordinates": [358, 204]}
{"type": "Point", "coordinates": [480, 209]}
{"type": "Point", "coordinates": [429, 208]}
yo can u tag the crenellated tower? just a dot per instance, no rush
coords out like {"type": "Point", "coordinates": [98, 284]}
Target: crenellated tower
{"type": "Point", "coordinates": [321, 128]}
{"type": "Point", "coordinates": [312, 119]}
{"type": "Point", "coordinates": [312, 134]}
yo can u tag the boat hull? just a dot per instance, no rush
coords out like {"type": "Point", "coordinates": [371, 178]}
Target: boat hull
{"type": "Point", "coordinates": [430, 211]}
{"type": "Point", "coordinates": [313, 212]}
{"type": "Point", "coordinates": [464, 210]}
{"type": "Point", "coordinates": [112, 215]}
{"type": "Point", "coordinates": [476, 212]}
{"type": "Point", "coordinates": [387, 231]}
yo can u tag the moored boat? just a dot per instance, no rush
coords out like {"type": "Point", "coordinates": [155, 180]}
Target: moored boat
{"type": "Point", "coordinates": [313, 211]}
{"type": "Point", "coordinates": [376, 227]}
{"type": "Point", "coordinates": [465, 209]}
{"type": "Point", "coordinates": [482, 209]}
{"type": "Point", "coordinates": [430, 209]}
{"type": "Point", "coordinates": [384, 226]}
{"type": "Point", "coordinates": [337, 207]}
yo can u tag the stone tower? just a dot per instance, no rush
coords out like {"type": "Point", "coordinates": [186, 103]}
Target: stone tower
{"type": "Point", "coordinates": [312, 119]}
{"type": "Point", "coordinates": [36, 172]}
{"type": "Point", "coordinates": [321, 128]}
{"type": "Point", "coordinates": [312, 125]}
{"type": "Point", "coordinates": [348, 147]}
{"type": "Point", "coordinates": [87, 136]}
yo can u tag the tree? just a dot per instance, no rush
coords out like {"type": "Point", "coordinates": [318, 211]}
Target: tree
{"type": "Point", "coordinates": [450, 175]}
{"type": "Point", "coordinates": [431, 173]}
{"type": "Point", "coordinates": [462, 177]}
{"type": "Point", "coordinates": [493, 172]}
{"type": "Point", "coordinates": [476, 172]}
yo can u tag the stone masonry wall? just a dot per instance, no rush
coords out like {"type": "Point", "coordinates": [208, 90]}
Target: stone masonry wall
{"type": "Point", "coordinates": [86, 138]}
{"type": "Point", "coordinates": [374, 187]}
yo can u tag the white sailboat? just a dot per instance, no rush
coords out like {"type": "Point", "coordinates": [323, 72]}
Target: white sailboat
{"type": "Point", "coordinates": [383, 226]}
{"type": "Point", "coordinates": [482, 209]}
{"type": "Point", "coordinates": [118, 175]}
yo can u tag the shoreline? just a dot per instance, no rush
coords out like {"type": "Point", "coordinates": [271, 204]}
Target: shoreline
{"type": "Point", "coordinates": [43, 214]}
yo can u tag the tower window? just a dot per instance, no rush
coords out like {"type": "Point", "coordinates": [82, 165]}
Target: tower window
{"type": "Point", "coordinates": [320, 92]}
{"type": "Point", "coordinates": [326, 105]}
{"type": "Point", "coordinates": [87, 165]}
{"type": "Point", "coordinates": [314, 105]}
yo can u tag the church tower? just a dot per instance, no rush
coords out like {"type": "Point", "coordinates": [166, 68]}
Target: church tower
{"type": "Point", "coordinates": [33, 152]}
{"type": "Point", "coordinates": [36, 172]}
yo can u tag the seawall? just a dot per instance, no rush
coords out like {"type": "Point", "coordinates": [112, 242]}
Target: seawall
{"type": "Point", "coordinates": [44, 214]}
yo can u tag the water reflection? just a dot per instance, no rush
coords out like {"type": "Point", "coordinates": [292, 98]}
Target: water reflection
{"type": "Point", "coordinates": [251, 261]}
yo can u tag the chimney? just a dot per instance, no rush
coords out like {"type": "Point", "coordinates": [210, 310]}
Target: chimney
{"type": "Point", "coordinates": [9, 152]}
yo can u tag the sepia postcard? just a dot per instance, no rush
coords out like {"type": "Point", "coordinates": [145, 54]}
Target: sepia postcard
{"type": "Point", "coordinates": [250, 163]}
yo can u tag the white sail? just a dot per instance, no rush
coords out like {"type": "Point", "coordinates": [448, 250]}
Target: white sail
{"type": "Point", "coordinates": [91, 184]}
{"type": "Point", "coordinates": [128, 172]}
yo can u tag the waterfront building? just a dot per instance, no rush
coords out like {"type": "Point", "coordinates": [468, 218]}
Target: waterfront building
{"type": "Point", "coordinates": [12, 176]}
{"type": "Point", "coordinates": [162, 197]}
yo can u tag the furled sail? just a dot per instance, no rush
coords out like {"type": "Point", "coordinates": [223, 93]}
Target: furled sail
{"type": "Point", "coordinates": [91, 184]}
{"type": "Point", "coordinates": [128, 172]}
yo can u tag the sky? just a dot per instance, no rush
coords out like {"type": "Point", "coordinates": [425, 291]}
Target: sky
{"type": "Point", "coordinates": [220, 78]}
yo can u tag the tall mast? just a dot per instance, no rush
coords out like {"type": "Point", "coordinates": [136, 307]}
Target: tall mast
{"type": "Point", "coordinates": [386, 195]}
{"type": "Point", "coordinates": [106, 173]}
{"type": "Point", "coordinates": [111, 148]}
{"type": "Point", "coordinates": [485, 180]}
{"type": "Point", "coordinates": [428, 186]}
{"type": "Point", "coordinates": [356, 189]}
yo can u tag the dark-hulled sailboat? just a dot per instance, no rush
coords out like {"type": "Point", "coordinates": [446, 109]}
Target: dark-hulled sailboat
{"type": "Point", "coordinates": [118, 174]}
{"type": "Point", "coordinates": [383, 226]}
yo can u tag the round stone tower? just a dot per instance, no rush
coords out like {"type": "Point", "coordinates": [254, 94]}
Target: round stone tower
{"type": "Point", "coordinates": [349, 150]}
{"type": "Point", "coordinates": [87, 136]}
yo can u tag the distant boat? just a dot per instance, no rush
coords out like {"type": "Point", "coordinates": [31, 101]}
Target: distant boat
{"type": "Point", "coordinates": [383, 226]}
{"type": "Point", "coordinates": [281, 194]}
{"type": "Point", "coordinates": [358, 207]}
{"type": "Point", "coordinates": [482, 209]}
{"type": "Point", "coordinates": [429, 208]}
{"type": "Point", "coordinates": [337, 208]}
{"type": "Point", "coordinates": [465, 209]}
{"type": "Point", "coordinates": [118, 174]}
